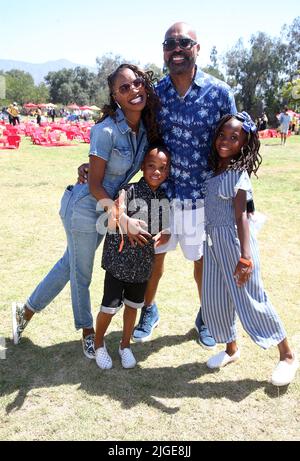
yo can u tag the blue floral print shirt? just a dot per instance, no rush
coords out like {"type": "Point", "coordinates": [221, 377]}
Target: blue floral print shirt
{"type": "Point", "coordinates": [187, 124]}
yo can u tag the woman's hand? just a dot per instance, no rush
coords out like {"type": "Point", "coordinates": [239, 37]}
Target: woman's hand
{"type": "Point", "coordinates": [135, 230]}
{"type": "Point", "coordinates": [242, 273]}
{"type": "Point", "coordinates": [116, 211]}
{"type": "Point", "coordinates": [83, 172]}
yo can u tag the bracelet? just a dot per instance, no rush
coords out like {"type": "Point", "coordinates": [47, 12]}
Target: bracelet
{"type": "Point", "coordinates": [247, 262]}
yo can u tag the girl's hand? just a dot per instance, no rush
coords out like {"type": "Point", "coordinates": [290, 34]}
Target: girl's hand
{"type": "Point", "coordinates": [242, 273]}
{"type": "Point", "coordinates": [161, 238]}
{"type": "Point", "coordinates": [83, 171]}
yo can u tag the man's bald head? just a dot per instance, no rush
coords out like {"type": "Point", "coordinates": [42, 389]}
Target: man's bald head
{"type": "Point", "coordinates": [182, 29]}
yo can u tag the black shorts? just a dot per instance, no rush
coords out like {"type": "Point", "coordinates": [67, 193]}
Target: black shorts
{"type": "Point", "coordinates": [117, 292]}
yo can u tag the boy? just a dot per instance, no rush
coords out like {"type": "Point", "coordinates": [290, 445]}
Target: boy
{"type": "Point", "coordinates": [128, 268]}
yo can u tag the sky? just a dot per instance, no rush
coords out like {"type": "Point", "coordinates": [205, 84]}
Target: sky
{"type": "Point", "coordinates": [80, 30]}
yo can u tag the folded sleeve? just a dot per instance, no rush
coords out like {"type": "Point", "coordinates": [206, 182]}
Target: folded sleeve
{"type": "Point", "coordinates": [101, 142]}
{"type": "Point", "coordinates": [232, 181]}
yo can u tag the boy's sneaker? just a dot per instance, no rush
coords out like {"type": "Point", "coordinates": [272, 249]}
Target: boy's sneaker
{"type": "Point", "coordinates": [88, 346]}
{"type": "Point", "coordinates": [205, 339]}
{"type": "Point", "coordinates": [103, 358]}
{"type": "Point", "coordinates": [127, 357]}
{"type": "Point", "coordinates": [18, 321]}
{"type": "Point", "coordinates": [149, 319]}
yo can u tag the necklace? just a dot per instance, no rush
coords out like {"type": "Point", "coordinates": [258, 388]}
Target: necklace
{"type": "Point", "coordinates": [133, 125]}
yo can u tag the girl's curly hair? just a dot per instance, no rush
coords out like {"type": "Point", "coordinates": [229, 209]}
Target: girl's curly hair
{"type": "Point", "coordinates": [248, 159]}
{"type": "Point", "coordinates": [152, 105]}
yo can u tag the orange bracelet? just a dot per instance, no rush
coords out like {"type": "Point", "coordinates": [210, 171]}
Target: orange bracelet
{"type": "Point", "coordinates": [247, 262]}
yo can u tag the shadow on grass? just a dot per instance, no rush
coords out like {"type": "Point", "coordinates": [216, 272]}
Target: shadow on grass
{"type": "Point", "coordinates": [29, 366]}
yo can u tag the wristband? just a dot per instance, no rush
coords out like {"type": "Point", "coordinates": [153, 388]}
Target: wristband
{"type": "Point", "coordinates": [247, 262]}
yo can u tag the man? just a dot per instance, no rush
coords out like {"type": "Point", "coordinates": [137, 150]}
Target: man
{"type": "Point", "coordinates": [284, 120]}
{"type": "Point", "coordinates": [14, 113]}
{"type": "Point", "coordinates": [192, 104]}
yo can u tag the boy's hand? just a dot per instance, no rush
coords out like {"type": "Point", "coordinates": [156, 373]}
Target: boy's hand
{"type": "Point", "coordinates": [161, 238]}
{"type": "Point", "coordinates": [83, 172]}
{"type": "Point", "coordinates": [242, 273]}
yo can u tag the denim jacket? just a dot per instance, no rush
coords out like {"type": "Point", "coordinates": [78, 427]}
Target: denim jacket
{"type": "Point", "coordinates": [113, 141]}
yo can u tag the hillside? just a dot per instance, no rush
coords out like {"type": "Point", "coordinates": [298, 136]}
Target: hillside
{"type": "Point", "coordinates": [38, 71]}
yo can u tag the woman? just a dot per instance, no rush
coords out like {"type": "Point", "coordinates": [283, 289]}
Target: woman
{"type": "Point", "coordinates": [118, 143]}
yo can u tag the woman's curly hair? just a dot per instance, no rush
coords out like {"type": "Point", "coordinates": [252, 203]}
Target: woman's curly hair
{"type": "Point", "coordinates": [249, 158]}
{"type": "Point", "coordinates": [152, 105]}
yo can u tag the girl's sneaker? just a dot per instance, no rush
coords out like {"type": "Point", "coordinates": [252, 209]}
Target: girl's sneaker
{"type": "Point", "coordinates": [222, 359]}
{"type": "Point", "coordinates": [103, 358]}
{"type": "Point", "coordinates": [284, 372]}
{"type": "Point", "coordinates": [127, 357]}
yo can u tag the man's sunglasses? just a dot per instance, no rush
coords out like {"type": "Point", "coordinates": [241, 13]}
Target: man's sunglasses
{"type": "Point", "coordinates": [184, 43]}
{"type": "Point", "coordinates": [138, 83]}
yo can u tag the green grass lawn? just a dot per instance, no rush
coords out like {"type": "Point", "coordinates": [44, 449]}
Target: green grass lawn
{"type": "Point", "coordinates": [49, 391]}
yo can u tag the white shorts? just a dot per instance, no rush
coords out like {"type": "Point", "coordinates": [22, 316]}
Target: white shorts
{"type": "Point", "coordinates": [187, 229]}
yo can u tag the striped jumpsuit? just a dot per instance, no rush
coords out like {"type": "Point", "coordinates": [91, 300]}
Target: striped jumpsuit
{"type": "Point", "coordinates": [222, 300]}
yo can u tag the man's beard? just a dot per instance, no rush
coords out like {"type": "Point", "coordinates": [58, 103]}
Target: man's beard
{"type": "Point", "coordinates": [177, 69]}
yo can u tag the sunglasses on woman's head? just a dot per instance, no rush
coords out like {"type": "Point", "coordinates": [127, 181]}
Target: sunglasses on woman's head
{"type": "Point", "coordinates": [184, 43]}
{"type": "Point", "coordinates": [138, 83]}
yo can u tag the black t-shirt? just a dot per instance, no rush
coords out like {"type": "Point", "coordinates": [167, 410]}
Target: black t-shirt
{"type": "Point", "coordinates": [134, 264]}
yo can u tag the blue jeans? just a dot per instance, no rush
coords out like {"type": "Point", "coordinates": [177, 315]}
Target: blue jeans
{"type": "Point", "coordinates": [79, 217]}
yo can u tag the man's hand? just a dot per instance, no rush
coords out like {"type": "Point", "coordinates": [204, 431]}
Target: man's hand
{"type": "Point", "coordinates": [83, 172]}
{"type": "Point", "coordinates": [161, 238]}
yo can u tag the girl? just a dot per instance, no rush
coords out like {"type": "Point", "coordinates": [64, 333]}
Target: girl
{"type": "Point", "coordinates": [118, 144]}
{"type": "Point", "coordinates": [232, 283]}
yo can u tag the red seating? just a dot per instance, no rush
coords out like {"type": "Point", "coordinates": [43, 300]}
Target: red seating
{"type": "Point", "coordinates": [14, 140]}
{"type": "Point", "coordinates": [11, 141]}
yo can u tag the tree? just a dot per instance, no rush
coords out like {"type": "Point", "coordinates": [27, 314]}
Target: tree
{"type": "Point", "coordinates": [291, 37]}
{"type": "Point", "coordinates": [56, 80]}
{"type": "Point", "coordinates": [157, 71]}
{"type": "Point", "coordinates": [213, 68]}
{"type": "Point", "coordinates": [106, 65]}
{"type": "Point", "coordinates": [72, 85]}
{"type": "Point", "coordinates": [40, 94]}
{"type": "Point", "coordinates": [291, 94]}
{"type": "Point", "coordinates": [19, 86]}
{"type": "Point", "coordinates": [257, 74]}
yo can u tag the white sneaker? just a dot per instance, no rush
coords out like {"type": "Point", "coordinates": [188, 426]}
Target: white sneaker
{"type": "Point", "coordinates": [284, 372]}
{"type": "Point", "coordinates": [127, 358]}
{"type": "Point", "coordinates": [222, 358]}
{"type": "Point", "coordinates": [103, 358]}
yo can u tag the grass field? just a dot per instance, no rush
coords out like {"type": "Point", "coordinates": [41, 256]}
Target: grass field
{"type": "Point", "coordinates": [49, 391]}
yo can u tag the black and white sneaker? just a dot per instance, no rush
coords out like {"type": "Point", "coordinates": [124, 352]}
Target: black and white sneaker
{"type": "Point", "coordinates": [18, 321]}
{"type": "Point", "coordinates": [88, 346]}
